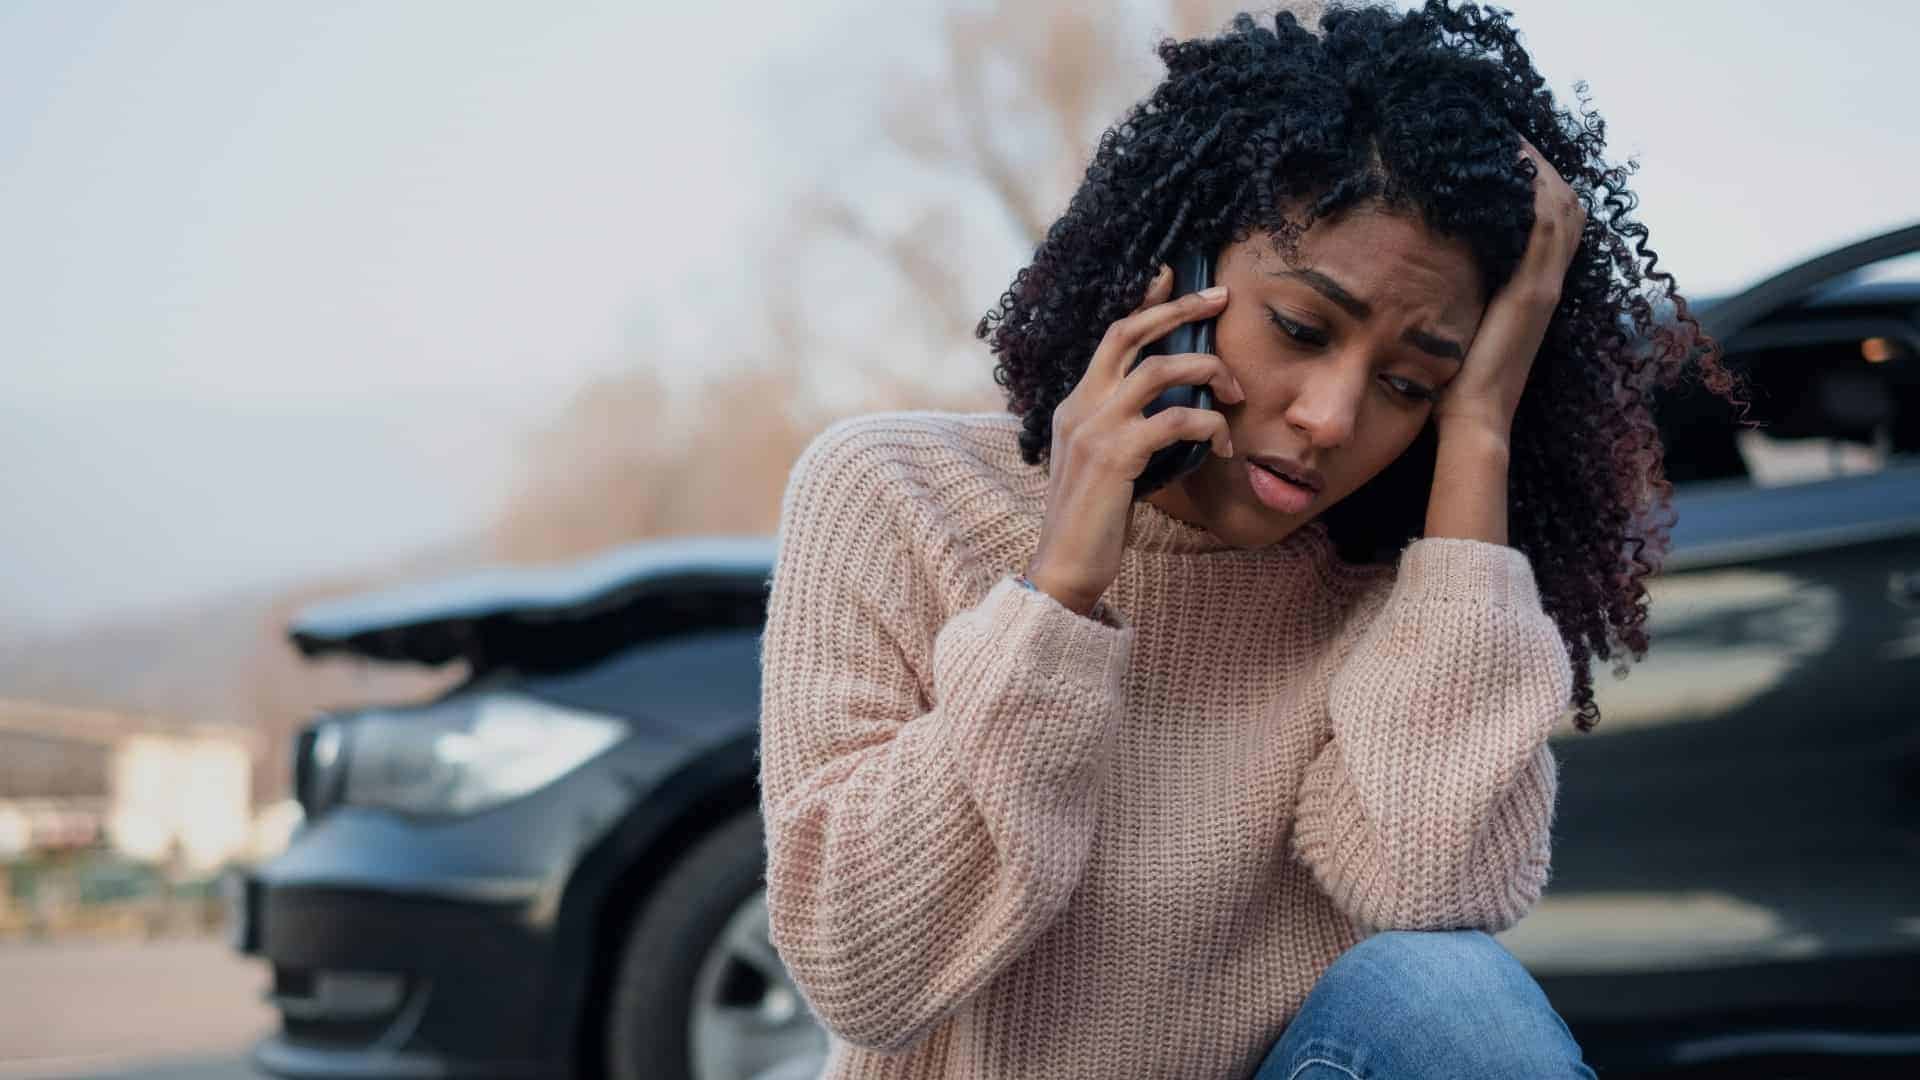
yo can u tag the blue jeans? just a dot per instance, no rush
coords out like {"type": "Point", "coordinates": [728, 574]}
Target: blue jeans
{"type": "Point", "coordinates": [1429, 1004]}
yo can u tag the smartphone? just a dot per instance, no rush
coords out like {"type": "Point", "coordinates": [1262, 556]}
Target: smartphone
{"type": "Point", "coordinates": [1192, 271]}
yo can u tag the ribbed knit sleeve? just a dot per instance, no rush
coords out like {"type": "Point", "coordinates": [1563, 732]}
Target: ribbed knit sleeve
{"type": "Point", "coordinates": [1431, 807]}
{"type": "Point", "coordinates": [917, 842]}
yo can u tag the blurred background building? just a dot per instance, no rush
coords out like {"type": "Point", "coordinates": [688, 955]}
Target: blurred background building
{"type": "Point", "coordinates": [139, 789]}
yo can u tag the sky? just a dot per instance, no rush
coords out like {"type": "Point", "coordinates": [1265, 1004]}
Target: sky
{"type": "Point", "coordinates": [284, 285]}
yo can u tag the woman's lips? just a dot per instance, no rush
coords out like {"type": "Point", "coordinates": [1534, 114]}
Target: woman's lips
{"type": "Point", "coordinates": [1277, 492]}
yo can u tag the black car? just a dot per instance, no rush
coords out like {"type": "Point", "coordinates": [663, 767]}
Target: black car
{"type": "Point", "coordinates": [556, 868]}
{"type": "Point", "coordinates": [484, 882]}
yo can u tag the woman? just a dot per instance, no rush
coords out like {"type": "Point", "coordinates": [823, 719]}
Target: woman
{"type": "Point", "coordinates": [1237, 779]}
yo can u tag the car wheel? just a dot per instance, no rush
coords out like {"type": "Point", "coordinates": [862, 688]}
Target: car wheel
{"type": "Point", "coordinates": [700, 993]}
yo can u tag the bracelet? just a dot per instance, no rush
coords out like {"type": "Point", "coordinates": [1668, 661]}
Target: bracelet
{"type": "Point", "coordinates": [1026, 582]}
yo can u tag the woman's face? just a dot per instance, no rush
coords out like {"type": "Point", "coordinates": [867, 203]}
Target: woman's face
{"type": "Point", "coordinates": [1339, 353]}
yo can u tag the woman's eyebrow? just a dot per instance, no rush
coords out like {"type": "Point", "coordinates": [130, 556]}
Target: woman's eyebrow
{"type": "Point", "coordinates": [1435, 346]}
{"type": "Point", "coordinates": [1427, 343]}
{"type": "Point", "coordinates": [1330, 289]}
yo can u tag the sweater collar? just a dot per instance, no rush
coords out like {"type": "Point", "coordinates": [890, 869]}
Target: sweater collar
{"type": "Point", "coordinates": [1153, 529]}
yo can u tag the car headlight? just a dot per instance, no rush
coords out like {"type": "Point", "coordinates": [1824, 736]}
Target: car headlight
{"type": "Point", "coordinates": [318, 764]}
{"type": "Point", "coordinates": [452, 757]}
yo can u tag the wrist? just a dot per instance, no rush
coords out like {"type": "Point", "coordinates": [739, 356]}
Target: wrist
{"type": "Point", "coordinates": [1038, 582]}
{"type": "Point", "coordinates": [1470, 485]}
{"type": "Point", "coordinates": [1475, 436]}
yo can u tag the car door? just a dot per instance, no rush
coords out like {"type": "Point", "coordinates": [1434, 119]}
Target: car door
{"type": "Point", "coordinates": [1737, 845]}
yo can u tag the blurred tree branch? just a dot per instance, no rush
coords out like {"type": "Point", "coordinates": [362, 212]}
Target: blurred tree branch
{"type": "Point", "coordinates": [1067, 69]}
{"type": "Point", "coordinates": [1004, 126]}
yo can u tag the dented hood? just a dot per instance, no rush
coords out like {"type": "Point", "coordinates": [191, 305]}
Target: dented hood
{"type": "Point", "coordinates": [549, 618]}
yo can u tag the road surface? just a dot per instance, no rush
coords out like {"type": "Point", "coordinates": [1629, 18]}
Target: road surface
{"type": "Point", "coordinates": [129, 1010]}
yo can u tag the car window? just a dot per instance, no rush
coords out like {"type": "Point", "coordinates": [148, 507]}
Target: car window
{"type": "Point", "coordinates": [1834, 386]}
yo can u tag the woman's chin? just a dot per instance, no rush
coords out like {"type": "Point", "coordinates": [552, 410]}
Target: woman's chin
{"type": "Point", "coordinates": [1238, 517]}
{"type": "Point", "coordinates": [1218, 498]}
{"type": "Point", "coordinates": [1255, 526]}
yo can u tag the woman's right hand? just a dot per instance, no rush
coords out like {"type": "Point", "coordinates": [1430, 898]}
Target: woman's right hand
{"type": "Point", "coordinates": [1102, 440]}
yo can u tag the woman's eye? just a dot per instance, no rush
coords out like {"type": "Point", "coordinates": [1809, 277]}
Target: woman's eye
{"type": "Point", "coordinates": [1306, 335]}
{"type": "Point", "coordinates": [1409, 389]}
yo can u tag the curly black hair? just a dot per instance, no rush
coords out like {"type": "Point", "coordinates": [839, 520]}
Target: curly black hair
{"type": "Point", "coordinates": [1420, 111]}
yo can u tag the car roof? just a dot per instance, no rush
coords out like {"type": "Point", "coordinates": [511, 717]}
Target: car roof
{"type": "Point", "coordinates": [1855, 292]}
{"type": "Point", "coordinates": [471, 615]}
{"type": "Point", "coordinates": [1852, 290]}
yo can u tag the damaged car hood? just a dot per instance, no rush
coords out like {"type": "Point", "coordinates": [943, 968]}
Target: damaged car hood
{"type": "Point", "coordinates": [549, 618]}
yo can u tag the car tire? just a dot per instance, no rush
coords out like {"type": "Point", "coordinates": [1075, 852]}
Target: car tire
{"type": "Point", "coordinates": [697, 960]}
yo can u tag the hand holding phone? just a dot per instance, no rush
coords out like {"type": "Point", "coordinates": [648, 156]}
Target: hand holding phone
{"type": "Point", "coordinates": [1192, 272]}
{"type": "Point", "coordinates": [1114, 423]}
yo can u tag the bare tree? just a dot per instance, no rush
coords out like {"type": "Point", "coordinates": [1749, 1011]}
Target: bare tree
{"type": "Point", "coordinates": [999, 135]}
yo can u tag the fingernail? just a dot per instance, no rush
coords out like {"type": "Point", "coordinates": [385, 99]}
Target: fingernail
{"type": "Point", "coordinates": [1214, 292]}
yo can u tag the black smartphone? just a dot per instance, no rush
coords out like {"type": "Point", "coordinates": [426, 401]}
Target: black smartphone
{"type": "Point", "coordinates": [1192, 271]}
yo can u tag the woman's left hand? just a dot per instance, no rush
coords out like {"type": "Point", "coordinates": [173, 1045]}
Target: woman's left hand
{"type": "Point", "coordinates": [1485, 394]}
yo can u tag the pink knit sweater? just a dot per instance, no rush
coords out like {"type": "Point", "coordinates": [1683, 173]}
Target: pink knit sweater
{"type": "Point", "coordinates": [1009, 841]}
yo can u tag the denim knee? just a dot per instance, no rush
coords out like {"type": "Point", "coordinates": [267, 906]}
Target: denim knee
{"type": "Point", "coordinates": [1443, 969]}
{"type": "Point", "coordinates": [1438, 1003]}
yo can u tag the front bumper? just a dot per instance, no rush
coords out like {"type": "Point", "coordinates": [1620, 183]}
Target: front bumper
{"type": "Point", "coordinates": [407, 947]}
{"type": "Point", "coordinates": [389, 961]}
{"type": "Point", "coordinates": [371, 985]}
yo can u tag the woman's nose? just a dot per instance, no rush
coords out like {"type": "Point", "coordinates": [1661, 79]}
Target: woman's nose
{"type": "Point", "coordinates": [1328, 404]}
